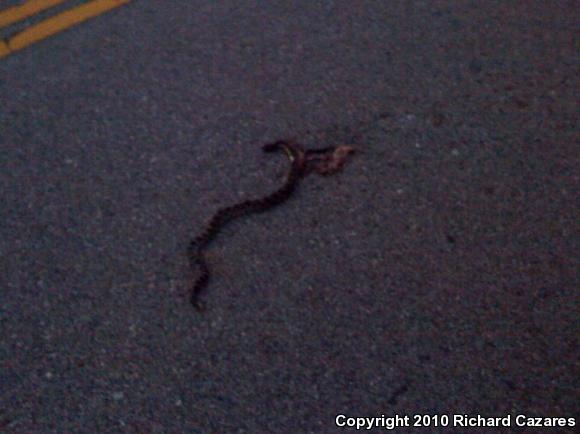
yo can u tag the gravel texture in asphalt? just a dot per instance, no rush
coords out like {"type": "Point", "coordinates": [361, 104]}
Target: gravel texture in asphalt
{"type": "Point", "coordinates": [437, 274]}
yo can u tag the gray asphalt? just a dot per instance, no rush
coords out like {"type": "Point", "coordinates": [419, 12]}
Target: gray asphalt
{"type": "Point", "coordinates": [437, 274]}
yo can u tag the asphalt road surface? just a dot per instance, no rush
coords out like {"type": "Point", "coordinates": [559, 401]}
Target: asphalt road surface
{"type": "Point", "coordinates": [435, 275]}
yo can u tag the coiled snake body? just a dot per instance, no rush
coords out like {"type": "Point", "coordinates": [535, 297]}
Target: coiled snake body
{"type": "Point", "coordinates": [325, 161]}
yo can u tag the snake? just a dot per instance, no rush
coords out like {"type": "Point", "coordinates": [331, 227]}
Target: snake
{"type": "Point", "coordinates": [324, 161]}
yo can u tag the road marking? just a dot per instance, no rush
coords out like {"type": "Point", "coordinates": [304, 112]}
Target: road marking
{"type": "Point", "coordinates": [56, 24]}
{"type": "Point", "coordinates": [4, 50]}
{"type": "Point", "coordinates": [31, 7]}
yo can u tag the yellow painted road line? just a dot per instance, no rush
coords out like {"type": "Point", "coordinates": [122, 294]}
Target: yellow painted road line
{"type": "Point", "coordinates": [31, 7]}
{"type": "Point", "coordinates": [58, 23]}
{"type": "Point", "coordinates": [4, 50]}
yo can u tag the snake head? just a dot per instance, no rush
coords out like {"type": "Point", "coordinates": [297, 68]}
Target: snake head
{"type": "Point", "coordinates": [333, 161]}
{"type": "Point", "coordinates": [344, 151]}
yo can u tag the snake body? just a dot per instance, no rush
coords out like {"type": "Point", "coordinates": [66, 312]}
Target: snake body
{"type": "Point", "coordinates": [324, 161]}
